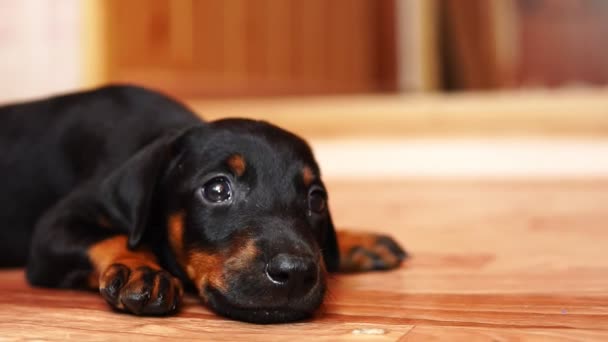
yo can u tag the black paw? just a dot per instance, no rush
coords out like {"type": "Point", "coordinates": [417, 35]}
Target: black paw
{"type": "Point", "coordinates": [141, 291]}
{"type": "Point", "coordinates": [360, 252]}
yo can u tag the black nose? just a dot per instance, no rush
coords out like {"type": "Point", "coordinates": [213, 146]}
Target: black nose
{"type": "Point", "coordinates": [297, 273]}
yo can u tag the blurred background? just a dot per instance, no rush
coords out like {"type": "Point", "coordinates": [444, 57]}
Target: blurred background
{"type": "Point", "coordinates": [399, 88]}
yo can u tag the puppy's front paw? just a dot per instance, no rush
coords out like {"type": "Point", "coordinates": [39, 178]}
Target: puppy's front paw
{"type": "Point", "coordinates": [141, 291]}
{"type": "Point", "coordinates": [361, 252]}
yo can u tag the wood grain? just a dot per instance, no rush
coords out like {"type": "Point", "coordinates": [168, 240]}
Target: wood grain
{"type": "Point", "coordinates": [237, 47]}
{"type": "Point", "coordinates": [492, 260]}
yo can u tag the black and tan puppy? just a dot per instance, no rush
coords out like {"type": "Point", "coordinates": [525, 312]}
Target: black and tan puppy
{"type": "Point", "coordinates": [126, 191]}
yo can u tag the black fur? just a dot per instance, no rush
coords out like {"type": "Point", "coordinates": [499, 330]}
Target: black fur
{"type": "Point", "coordinates": [60, 146]}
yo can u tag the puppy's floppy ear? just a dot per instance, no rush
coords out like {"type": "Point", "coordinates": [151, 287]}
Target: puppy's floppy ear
{"type": "Point", "coordinates": [331, 252]}
{"type": "Point", "coordinates": [128, 191]}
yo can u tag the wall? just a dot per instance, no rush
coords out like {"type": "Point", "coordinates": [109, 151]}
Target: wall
{"type": "Point", "coordinates": [39, 48]}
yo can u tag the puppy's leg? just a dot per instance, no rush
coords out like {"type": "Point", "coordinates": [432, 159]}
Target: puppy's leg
{"type": "Point", "coordinates": [360, 252]}
{"type": "Point", "coordinates": [69, 250]}
{"type": "Point", "coordinates": [132, 280]}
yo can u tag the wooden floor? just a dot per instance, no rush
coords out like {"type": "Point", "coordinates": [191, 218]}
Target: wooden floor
{"type": "Point", "coordinates": [492, 260]}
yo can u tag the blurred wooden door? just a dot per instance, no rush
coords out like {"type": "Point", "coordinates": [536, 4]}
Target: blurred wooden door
{"type": "Point", "coordinates": [524, 43]}
{"type": "Point", "coordinates": [562, 42]}
{"type": "Point", "coordinates": [262, 47]}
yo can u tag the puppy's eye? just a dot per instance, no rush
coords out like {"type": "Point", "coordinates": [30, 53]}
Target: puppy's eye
{"type": "Point", "coordinates": [317, 200]}
{"type": "Point", "coordinates": [217, 190]}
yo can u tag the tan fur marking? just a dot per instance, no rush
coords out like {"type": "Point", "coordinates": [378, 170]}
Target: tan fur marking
{"type": "Point", "coordinates": [93, 280]}
{"type": "Point", "coordinates": [359, 261]}
{"type": "Point", "coordinates": [114, 250]}
{"type": "Point", "coordinates": [176, 233]}
{"type": "Point", "coordinates": [348, 240]}
{"type": "Point", "coordinates": [307, 175]}
{"type": "Point", "coordinates": [237, 164]}
{"type": "Point", "coordinates": [178, 284]}
{"type": "Point", "coordinates": [155, 288]}
{"type": "Point", "coordinates": [205, 269]}
{"type": "Point", "coordinates": [242, 257]}
{"type": "Point", "coordinates": [386, 255]}
{"type": "Point", "coordinates": [202, 267]}
{"type": "Point", "coordinates": [365, 259]}
{"type": "Point", "coordinates": [191, 272]}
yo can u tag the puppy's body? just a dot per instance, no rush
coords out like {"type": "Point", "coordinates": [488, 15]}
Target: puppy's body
{"type": "Point", "coordinates": [126, 191]}
{"type": "Point", "coordinates": [50, 147]}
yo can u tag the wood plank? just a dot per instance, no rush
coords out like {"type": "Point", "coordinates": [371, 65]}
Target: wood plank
{"type": "Point", "coordinates": [234, 41]}
{"type": "Point", "coordinates": [281, 44]}
{"type": "Point", "coordinates": [209, 33]}
{"type": "Point", "coordinates": [99, 324]}
{"type": "Point", "coordinates": [237, 47]}
{"type": "Point", "coordinates": [181, 32]}
{"type": "Point", "coordinates": [490, 260]}
{"type": "Point", "coordinates": [485, 334]}
{"type": "Point", "coordinates": [310, 23]}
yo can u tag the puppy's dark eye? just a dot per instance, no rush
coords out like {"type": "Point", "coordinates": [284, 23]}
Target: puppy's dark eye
{"type": "Point", "coordinates": [317, 200]}
{"type": "Point", "coordinates": [217, 190]}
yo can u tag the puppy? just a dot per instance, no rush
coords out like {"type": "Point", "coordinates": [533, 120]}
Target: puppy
{"type": "Point", "coordinates": [125, 191]}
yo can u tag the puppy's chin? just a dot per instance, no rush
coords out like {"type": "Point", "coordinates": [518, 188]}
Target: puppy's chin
{"type": "Point", "coordinates": [268, 312]}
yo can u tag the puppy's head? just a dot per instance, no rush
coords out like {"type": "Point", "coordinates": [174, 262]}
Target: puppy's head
{"type": "Point", "coordinates": [246, 219]}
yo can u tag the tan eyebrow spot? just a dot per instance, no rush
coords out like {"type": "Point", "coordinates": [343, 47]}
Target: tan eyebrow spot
{"type": "Point", "coordinates": [237, 163]}
{"type": "Point", "coordinates": [307, 175]}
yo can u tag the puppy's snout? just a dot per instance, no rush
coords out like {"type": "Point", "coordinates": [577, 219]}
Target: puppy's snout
{"type": "Point", "coordinates": [297, 273]}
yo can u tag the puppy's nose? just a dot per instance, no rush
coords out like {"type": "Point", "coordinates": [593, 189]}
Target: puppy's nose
{"type": "Point", "coordinates": [297, 273]}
